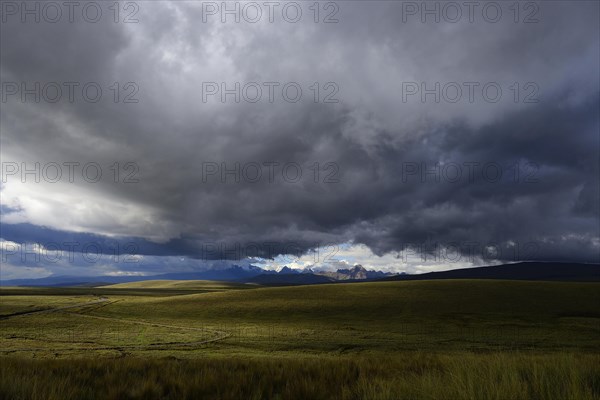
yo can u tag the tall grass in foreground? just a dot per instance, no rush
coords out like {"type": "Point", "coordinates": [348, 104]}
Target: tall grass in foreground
{"type": "Point", "coordinates": [404, 376]}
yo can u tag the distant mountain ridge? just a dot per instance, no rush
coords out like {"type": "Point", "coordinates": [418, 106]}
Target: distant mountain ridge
{"type": "Point", "coordinates": [252, 273]}
{"type": "Point", "coordinates": [541, 271]}
{"type": "Point", "coordinates": [531, 271]}
{"type": "Point", "coordinates": [233, 273]}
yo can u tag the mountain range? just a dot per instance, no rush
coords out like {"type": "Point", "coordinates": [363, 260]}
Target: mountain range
{"type": "Point", "coordinates": [543, 271]}
{"type": "Point", "coordinates": [235, 273]}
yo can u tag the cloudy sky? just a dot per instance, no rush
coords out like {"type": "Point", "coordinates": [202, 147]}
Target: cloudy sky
{"type": "Point", "coordinates": [160, 136]}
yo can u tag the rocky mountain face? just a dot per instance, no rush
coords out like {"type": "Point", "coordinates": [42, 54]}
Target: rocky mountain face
{"type": "Point", "coordinates": [358, 272]}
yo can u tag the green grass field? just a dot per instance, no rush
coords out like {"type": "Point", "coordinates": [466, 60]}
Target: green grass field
{"type": "Point", "coordinates": [380, 340]}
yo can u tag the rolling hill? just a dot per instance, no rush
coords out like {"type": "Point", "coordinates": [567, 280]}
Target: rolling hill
{"type": "Point", "coordinates": [529, 271]}
{"type": "Point", "coordinates": [176, 284]}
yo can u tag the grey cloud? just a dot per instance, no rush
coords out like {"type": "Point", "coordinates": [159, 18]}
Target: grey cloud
{"type": "Point", "coordinates": [370, 135]}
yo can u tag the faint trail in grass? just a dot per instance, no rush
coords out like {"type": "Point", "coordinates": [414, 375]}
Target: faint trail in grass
{"type": "Point", "coordinates": [220, 335]}
{"type": "Point", "coordinates": [50, 310]}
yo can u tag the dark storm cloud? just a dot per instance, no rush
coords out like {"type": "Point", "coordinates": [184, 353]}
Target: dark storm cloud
{"type": "Point", "coordinates": [371, 147]}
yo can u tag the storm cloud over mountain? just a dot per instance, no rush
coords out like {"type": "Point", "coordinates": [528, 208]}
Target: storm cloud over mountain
{"type": "Point", "coordinates": [480, 135]}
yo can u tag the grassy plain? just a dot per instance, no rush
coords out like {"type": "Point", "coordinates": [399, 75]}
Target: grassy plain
{"type": "Point", "coordinates": [388, 340]}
